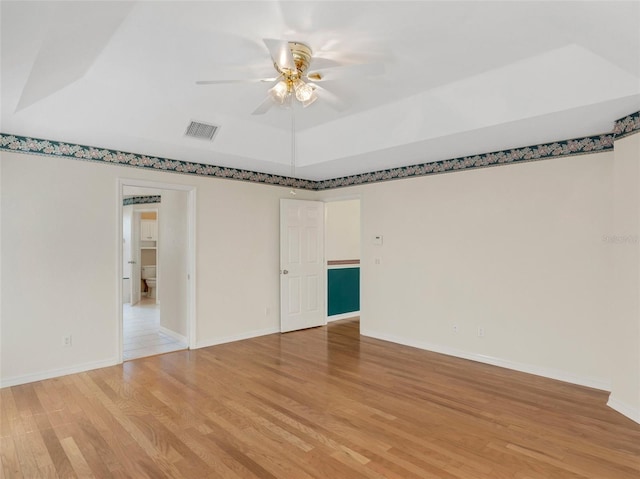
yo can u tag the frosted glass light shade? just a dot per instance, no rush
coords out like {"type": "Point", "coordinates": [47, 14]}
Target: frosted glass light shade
{"type": "Point", "coordinates": [280, 92]}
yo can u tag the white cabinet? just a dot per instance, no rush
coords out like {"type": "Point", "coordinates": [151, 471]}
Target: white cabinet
{"type": "Point", "coordinates": [148, 230]}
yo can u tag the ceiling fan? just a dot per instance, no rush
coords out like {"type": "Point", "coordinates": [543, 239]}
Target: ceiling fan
{"type": "Point", "coordinates": [291, 61]}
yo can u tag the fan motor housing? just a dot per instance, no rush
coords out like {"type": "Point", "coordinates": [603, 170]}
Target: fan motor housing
{"type": "Point", "coordinates": [301, 56]}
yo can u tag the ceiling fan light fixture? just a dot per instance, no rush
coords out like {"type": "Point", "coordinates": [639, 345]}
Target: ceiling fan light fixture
{"type": "Point", "coordinates": [280, 92]}
{"type": "Point", "coordinates": [308, 102]}
{"type": "Point", "coordinates": [304, 92]}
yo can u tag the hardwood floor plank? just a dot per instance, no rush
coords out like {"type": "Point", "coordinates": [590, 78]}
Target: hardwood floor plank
{"type": "Point", "coordinates": [9, 463]}
{"type": "Point", "coordinates": [57, 454]}
{"type": "Point", "coordinates": [162, 463]}
{"type": "Point", "coordinates": [237, 449]}
{"type": "Point", "coordinates": [320, 403]}
{"type": "Point", "coordinates": [272, 428]}
{"type": "Point", "coordinates": [88, 451]}
{"type": "Point", "coordinates": [10, 422]}
{"type": "Point", "coordinates": [76, 458]}
{"type": "Point", "coordinates": [25, 451]}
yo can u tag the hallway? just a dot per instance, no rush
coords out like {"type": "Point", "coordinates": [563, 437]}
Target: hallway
{"type": "Point", "coordinates": [142, 333]}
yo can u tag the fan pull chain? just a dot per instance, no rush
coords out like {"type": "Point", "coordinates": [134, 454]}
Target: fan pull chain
{"type": "Point", "coordinates": [293, 142]}
{"type": "Point", "coordinates": [293, 151]}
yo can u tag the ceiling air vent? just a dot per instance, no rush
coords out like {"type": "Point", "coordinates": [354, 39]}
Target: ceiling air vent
{"type": "Point", "coordinates": [201, 130]}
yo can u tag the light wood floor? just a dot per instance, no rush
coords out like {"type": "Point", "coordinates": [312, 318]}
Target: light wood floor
{"type": "Point", "coordinates": [321, 403]}
{"type": "Point", "coordinates": [141, 331]}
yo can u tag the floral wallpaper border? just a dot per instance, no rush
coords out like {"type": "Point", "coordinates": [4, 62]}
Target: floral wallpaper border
{"type": "Point", "coordinates": [59, 149]}
{"type": "Point", "coordinates": [622, 127]}
{"type": "Point", "coordinates": [141, 200]}
{"type": "Point", "coordinates": [626, 126]}
{"type": "Point", "coordinates": [559, 149]}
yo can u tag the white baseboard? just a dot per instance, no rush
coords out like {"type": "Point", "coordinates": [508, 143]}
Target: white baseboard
{"type": "Point", "coordinates": [591, 382]}
{"type": "Point", "coordinates": [54, 373]}
{"type": "Point", "coordinates": [237, 337]}
{"type": "Point", "coordinates": [624, 409]}
{"type": "Point", "coordinates": [338, 317]}
{"type": "Point", "coordinates": [174, 335]}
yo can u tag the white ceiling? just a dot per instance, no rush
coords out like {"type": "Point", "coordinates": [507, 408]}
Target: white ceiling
{"type": "Point", "coordinates": [460, 78]}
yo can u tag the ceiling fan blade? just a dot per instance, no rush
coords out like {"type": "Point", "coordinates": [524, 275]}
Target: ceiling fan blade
{"type": "Point", "coordinates": [264, 107]}
{"type": "Point", "coordinates": [346, 71]}
{"type": "Point", "coordinates": [330, 98]}
{"type": "Point", "coordinates": [320, 63]}
{"type": "Point", "coordinates": [223, 82]}
{"type": "Point", "coordinates": [280, 54]}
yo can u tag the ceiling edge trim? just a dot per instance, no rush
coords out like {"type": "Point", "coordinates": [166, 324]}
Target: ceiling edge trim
{"type": "Point", "coordinates": [628, 125]}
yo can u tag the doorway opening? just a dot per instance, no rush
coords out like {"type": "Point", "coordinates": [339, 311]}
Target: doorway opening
{"type": "Point", "coordinates": [156, 261]}
{"type": "Point", "coordinates": [342, 252]}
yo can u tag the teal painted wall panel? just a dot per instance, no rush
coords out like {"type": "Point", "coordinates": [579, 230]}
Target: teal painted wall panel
{"type": "Point", "coordinates": [343, 285]}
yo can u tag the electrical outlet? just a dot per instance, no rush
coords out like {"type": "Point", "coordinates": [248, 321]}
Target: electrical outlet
{"type": "Point", "coordinates": [455, 328]}
{"type": "Point", "coordinates": [66, 341]}
{"type": "Point", "coordinates": [481, 332]}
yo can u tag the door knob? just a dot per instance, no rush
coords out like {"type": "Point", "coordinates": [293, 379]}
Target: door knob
{"type": "Point", "coordinates": [284, 271]}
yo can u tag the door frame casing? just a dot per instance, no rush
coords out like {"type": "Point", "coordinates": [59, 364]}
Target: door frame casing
{"type": "Point", "coordinates": [191, 254]}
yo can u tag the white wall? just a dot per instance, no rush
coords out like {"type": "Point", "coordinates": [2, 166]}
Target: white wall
{"type": "Point", "coordinates": [1, 269]}
{"type": "Point", "coordinates": [59, 247]}
{"type": "Point", "coordinates": [516, 250]}
{"type": "Point", "coordinates": [623, 242]}
{"type": "Point", "coordinates": [238, 259]}
{"type": "Point", "coordinates": [342, 230]}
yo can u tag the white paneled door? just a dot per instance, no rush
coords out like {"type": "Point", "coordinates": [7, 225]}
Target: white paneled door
{"type": "Point", "coordinates": [302, 267]}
